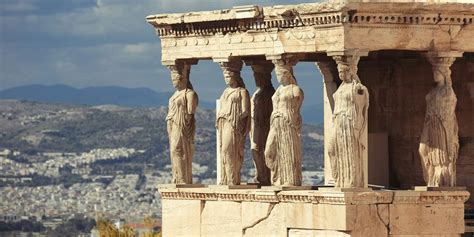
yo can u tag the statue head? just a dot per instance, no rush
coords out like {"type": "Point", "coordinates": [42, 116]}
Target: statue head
{"type": "Point", "coordinates": [345, 73]}
{"type": "Point", "coordinates": [180, 76]}
{"type": "Point", "coordinates": [263, 74]}
{"type": "Point", "coordinates": [284, 72]}
{"type": "Point", "coordinates": [231, 72]}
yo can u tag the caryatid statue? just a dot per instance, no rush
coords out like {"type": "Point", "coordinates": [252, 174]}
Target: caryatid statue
{"type": "Point", "coordinates": [261, 110]}
{"type": "Point", "coordinates": [348, 142]}
{"type": "Point", "coordinates": [439, 140]}
{"type": "Point", "coordinates": [283, 151]}
{"type": "Point", "coordinates": [181, 124]}
{"type": "Point", "coordinates": [233, 124]}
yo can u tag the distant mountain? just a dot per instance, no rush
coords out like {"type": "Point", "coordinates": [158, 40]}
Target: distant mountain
{"type": "Point", "coordinates": [130, 97]}
{"type": "Point", "coordinates": [114, 95]}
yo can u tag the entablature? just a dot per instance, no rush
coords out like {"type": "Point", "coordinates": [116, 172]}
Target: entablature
{"type": "Point", "coordinates": [315, 28]}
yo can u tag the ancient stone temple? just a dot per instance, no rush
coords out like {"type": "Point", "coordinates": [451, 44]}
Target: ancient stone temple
{"type": "Point", "coordinates": [398, 118]}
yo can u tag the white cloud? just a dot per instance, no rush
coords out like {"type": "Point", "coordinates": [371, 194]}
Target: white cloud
{"type": "Point", "coordinates": [106, 43]}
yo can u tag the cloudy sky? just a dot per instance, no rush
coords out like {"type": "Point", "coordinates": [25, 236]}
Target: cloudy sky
{"type": "Point", "coordinates": [85, 43]}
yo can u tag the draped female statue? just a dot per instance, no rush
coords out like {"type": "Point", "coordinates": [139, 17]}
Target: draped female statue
{"type": "Point", "coordinates": [233, 124]}
{"type": "Point", "coordinates": [283, 148]}
{"type": "Point", "coordinates": [348, 141]}
{"type": "Point", "coordinates": [261, 105]}
{"type": "Point", "coordinates": [181, 124]}
{"type": "Point", "coordinates": [439, 139]}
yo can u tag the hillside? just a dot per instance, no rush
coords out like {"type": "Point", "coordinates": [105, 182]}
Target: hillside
{"type": "Point", "coordinates": [32, 127]}
{"type": "Point", "coordinates": [129, 97]}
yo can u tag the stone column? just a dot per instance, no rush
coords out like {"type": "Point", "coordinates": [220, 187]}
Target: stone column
{"type": "Point", "coordinates": [439, 144]}
{"type": "Point", "coordinates": [181, 125]}
{"type": "Point", "coordinates": [283, 150]}
{"type": "Point", "coordinates": [261, 109]}
{"type": "Point", "coordinates": [232, 123]}
{"type": "Point", "coordinates": [328, 70]}
{"type": "Point", "coordinates": [347, 146]}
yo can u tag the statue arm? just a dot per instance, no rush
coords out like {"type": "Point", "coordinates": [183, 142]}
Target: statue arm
{"type": "Point", "coordinates": [245, 110]}
{"type": "Point", "coordinates": [362, 104]}
{"type": "Point", "coordinates": [245, 103]}
{"type": "Point", "coordinates": [299, 96]}
{"type": "Point", "coordinates": [192, 100]}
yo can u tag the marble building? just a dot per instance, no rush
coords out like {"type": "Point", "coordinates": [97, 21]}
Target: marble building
{"type": "Point", "coordinates": [398, 113]}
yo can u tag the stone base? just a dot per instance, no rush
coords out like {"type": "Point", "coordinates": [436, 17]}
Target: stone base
{"type": "Point", "coordinates": [427, 188]}
{"type": "Point", "coordinates": [166, 186]}
{"type": "Point", "coordinates": [266, 212]}
{"type": "Point", "coordinates": [228, 187]}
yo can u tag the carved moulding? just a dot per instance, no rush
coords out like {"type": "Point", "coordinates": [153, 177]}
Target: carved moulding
{"type": "Point", "coordinates": [321, 197]}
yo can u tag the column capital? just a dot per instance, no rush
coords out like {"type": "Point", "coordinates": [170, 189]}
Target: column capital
{"type": "Point", "coordinates": [260, 65]}
{"type": "Point", "coordinates": [442, 58]}
{"type": "Point", "coordinates": [232, 64]}
{"type": "Point", "coordinates": [349, 52]}
{"type": "Point", "coordinates": [286, 58]}
{"type": "Point", "coordinates": [328, 69]}
{"type": "Point", "coordinates": [180, 61]}
{"type": "Point", "coordinates": [225, 59]}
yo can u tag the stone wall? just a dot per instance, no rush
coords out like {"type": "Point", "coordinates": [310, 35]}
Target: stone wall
{"type": "Point", "coordinates": [398, 82]}
{"type": "Point", "coordinates": [217, 211]}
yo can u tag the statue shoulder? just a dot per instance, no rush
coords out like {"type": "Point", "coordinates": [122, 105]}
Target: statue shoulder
{"type": "Point", "coordinates": [297, 92]}
{"type": "Point", "coordinates": [244, 92]}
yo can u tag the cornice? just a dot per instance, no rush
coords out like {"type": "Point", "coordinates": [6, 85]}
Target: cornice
{"type": "Point", "coordinates": [319, 197]}
{"type": "Point", "coordinates": [317, 15]}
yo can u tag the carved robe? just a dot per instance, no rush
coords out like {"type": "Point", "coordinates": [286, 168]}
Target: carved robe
{"type": "Point", "coordinates": [283, 152]}
{"type": "Point", "coordinates": [439, 138]}
{"type": "Point", "coordinates": [261, 111]}
{"type": "Point", "coordinates": [181, 130]}
{"type": "Point", "coordinates": [232, 131]}
{"type": "Point", "coordinates": [347, 143]}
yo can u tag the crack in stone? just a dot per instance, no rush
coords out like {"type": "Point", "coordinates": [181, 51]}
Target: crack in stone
{"type": "Point", "coordinates": [269, 211]}
{"type": "Point", "coordinates": [387, 225]}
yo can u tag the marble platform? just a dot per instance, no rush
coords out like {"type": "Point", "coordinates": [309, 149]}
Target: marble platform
{"type": "Point", "coordinates": [329, 212]}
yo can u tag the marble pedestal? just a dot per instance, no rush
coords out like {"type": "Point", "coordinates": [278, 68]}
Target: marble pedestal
{"type": "Point", "coordinates": [266, 212]}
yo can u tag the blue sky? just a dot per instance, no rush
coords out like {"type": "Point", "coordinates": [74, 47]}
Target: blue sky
{"type": "Point", "coordinates": [85, 43]}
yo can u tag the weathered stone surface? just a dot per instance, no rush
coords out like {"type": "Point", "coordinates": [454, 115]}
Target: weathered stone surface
{"type": "Point", "coordinates": [439, 143]}
{"type": "Point", "coordinates": [348, 139]}
{"type": "Point", "coordinates": [272, 223]}
{"type": "Point", "coordinates": [261, 110]}
{"type": "Point", "coordinates": [232, 123]}
{"type": "Point", "coordinates": [426, 219]}
{"type": "Point", "coordinates": [283, 150]}
{"type": "Point", "coordinates": [206, 212]}
{"type": "Point", "coordinates": [181, 124]}
{"type": "Point", "coordinates": [181, 217]}
{"type": "Point", "coordinates": [316, 233]}
{"type": "Point", "coordinates": [220, 218]}
{"type": "Point", "coordinates": [399, 109]}
{"type": "Point", "coordinates": [318, 27]}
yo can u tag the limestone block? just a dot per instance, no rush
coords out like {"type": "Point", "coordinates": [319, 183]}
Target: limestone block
{"type": "Point", "coordinates": [441, 235]}
{"type": "Point", "coordinates": [367, 221]}
{"type": "Point", "coordinates": [254, 212]}
{"type": "Point", "coordinates": [316, 233]}
{"type": "Point", "coordinates": [338, 214]}
{"type": "Point", "coordinates": [419, 219]}
{"type": "Point", "coordinates": [271, 224]}
{"type": "Point", "coordinates": [221, 218]}
{"type": "Point", "coordinates": [181, 217]}
{"type": "Point", "coordinates": [299, 215]}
